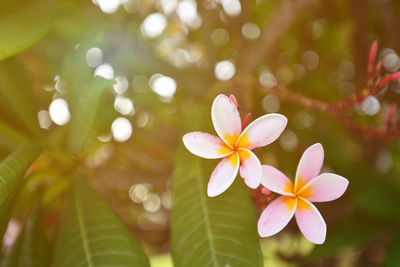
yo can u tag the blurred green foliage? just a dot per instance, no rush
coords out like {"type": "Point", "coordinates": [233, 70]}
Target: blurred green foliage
{"type": "Point", "coordinates": [318, 49]}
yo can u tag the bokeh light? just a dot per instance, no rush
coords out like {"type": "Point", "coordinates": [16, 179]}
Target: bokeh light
{"type": "Point", "coordinates": [163, 85]}
{"type": "Point", "coordinates": [231, 7]}
{"type": "Point", "coordinates": [370, 106]}
{"type": "Point", "coordinates": [224, 70]}
{"type": "Point", "coordinates": [94, 57]}
{"type": "Point", "coordinates": [105, 70]}
{"type": "Point", "coordinates": [310, 59]}
{"type": "Point", "coordinates": [124, 105]}
{"type": "Point", "coordinates": [154, 25]}
{"type": "Point", "coordinates": [108, 6]}
{"type": "Point", "coordinates": [121, 85]}
{"type": "Point", "coordinates": [121, 129]}
{"type": "Point", "coordinates": [187, 12]}
{"type": "Point", "coordinates": [251, 31]}
{"type": "Point", "coordinates": [267, 79]}
{"type": "Point", "coordinates": [59, 111]}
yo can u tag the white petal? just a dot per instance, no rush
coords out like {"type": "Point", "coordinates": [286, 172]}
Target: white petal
{"type": "Point", "coordinates": [276, 215]}
{"type": "Point", "coordinates": [206, 145]}
{"type": "Point", "coordinates": [309, 166]}
{"type": "Point", "coordinates": [226, 119]}
{"type": "Point", "coordinates": [274, 180]}
{"type": "Point", "coordinates": [262, 131]}
{"type": "Point", "coordinates": [325, 187]}
{"type": "Point", "coordinates": [250, 168]}
{"type": "Point", "coordinates": [310, 221]}
{"type": "Point", "coordinates": [223, 175]}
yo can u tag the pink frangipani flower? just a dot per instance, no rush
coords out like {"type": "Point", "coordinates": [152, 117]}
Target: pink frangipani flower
{"type": "Point", "coordinates": [234, 144]}
{"type": "Point", "coordinates": [309, 186]}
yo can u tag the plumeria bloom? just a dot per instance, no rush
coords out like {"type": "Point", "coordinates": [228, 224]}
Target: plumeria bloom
{"type": "Point", "coordinates": [309, 186]}
{"type": "Point", "coordinates": [234, 144]}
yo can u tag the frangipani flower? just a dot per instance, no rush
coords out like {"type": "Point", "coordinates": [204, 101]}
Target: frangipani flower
{"type": "Point", "coordinates": [234, 145]}
{"type": "Point", "coordinates": [296, 199]}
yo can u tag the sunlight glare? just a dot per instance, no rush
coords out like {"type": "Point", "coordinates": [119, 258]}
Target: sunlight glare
{"type": "Point", "coordinates": [108, 6]}
{"type": "Point", "coordinates": [163, 85]}
{"type": "Point", "coordinates": [105, 70]}
{"type": "Point", "coordinates": [224, 70]}
{"type": "Point", "coordinates": [153, 25]}
{"type": "Point", "coordinates": [94, 57]}
{"type": "Point", "coordinates": [59, 111]}
{"type": "Point", "coordinates": [121, 129]}
{"type": "Point", "coordinates": [121, 85]}
{"type": "Point", "coordinates": [124, 105]}
{"type": "Point", "coordinates": [231, 7]}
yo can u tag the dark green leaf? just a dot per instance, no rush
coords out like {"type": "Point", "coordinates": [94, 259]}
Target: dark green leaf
{"type": "Point", "coordinates": [75, 69]}
{"type": "Point", "coordinates": [13, 168]}
{"type": "Point", "coordinates": [84, 115]}
{"type": "Point", "coordinates": [31, 247]}
{"type": "Point", "coordinates": [22, 25]}
{"type": "Point", "coordinates": [219, 231]}
{"type": "Point", "coordinates": [90, 234]}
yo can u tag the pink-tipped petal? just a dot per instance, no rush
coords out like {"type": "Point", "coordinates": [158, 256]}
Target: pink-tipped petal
{"type": "Point", "coordinates": [226, 119]}
{"type": "Point", "coordinates": [234, 100]}
{"type": "Point", "coordinates": [276, 216]}
{"type": "Point", "coordinates": [262, 131]}
{"type": "Point", "coordinates": [206, 145]}
{"type": "Point", "coordinates": [250, 168]}
{"type": "Point", "coordinates": [310, 221]}
{"type": "Point", "coordinates": [276, 181]}
{"type": "Point", "coordinates": [223, 175]}
{"type": "Point", "coordinates": [325, 187]}
{"type": "Point", "coordinates": [310, 165]}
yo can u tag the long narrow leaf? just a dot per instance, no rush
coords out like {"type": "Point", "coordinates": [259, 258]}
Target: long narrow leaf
{"type": "Point", "coordinates": [85, 113]}
{"type": "Point", "coordinates": [90, 234]}
{"type": "Point", "coordinates": [13, 168]}
{"type": "Point", "coordinates": [218, 231]}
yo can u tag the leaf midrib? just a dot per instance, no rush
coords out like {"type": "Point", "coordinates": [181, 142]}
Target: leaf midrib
{"type": "Point", "coordinates": [203, 200]}
{"type": "Point", "coordinates": [82, 230]}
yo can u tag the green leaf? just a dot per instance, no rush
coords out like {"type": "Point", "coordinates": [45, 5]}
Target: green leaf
{"type": "Point", "coordinates": [31, 247]}
{"type": "Point", "coordinates": [393, 253]}
{"type": "Point", "coordinates": [219, 231]}
{"type": "Point", "coordinates": [90, 234]}
{"type": "Point", "coordinates": [84, 115]}
{"type": "Point", "coordinates": [23, 23]}
{"type": "Point", "coordinates": [75, 70]}
{"type": "Point", "coordinates": [17, 97]}
{"type": "Point", "coordinates": [13, 168]}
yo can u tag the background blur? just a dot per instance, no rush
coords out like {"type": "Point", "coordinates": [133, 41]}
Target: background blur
{"type": "Point", "coordinates": [170, 57]}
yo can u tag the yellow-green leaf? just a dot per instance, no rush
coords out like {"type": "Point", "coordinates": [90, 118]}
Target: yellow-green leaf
{"type": "Point", "coordinates": [23, 23]}
{"type": "Point", "coordinates": [219, 231]}
{"type": "Point", "coordinates": [90, 234]}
